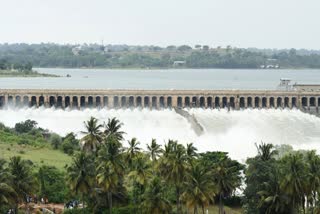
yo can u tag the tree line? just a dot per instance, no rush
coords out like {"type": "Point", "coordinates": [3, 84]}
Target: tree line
{"type": "Point", "coordinates": [110, 175]}
{"type": "Point", "coordinates": [7, 65]}
{"type": "Point", "coordinates": [124, 56]}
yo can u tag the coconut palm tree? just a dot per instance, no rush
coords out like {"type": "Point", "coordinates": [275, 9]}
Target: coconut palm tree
{"type": "Point", "coordinates": [173, 167]}
{"type": "Point", "coordinates": [191, 152]}
{"type": "Point", "coordinates": [154, 150]}
{"type": "Point", "coordinates": [132, 150]}
{"type": "Point", "coordinates": [7, 195]}
{"type": "Point", "coordinates": [266, 151]}
{"type": "Point", "coordinates": [80, 174]}
{"type": "Point", "coordinates": [272, 196]}
{"type": "Point", "coordinates": [113, 127]}
{"type": "Point", "coordinates": [110, 167]}
{"type": "Point", "coordinates": [22, 180]}
{"type": "Point", "coordinates": [313, 176]}
{"type": "Point", "coordinates": [139, 175]}
{"type": "Point", "coordinates": [198, 188]}
{"type": "Point", "coordinates": [226, 177]}
{"type": "Point", "coordinates": [154, 200]}
{"type": "Point", "coordinates": [141, 170]}
{"type": "Point", "coordinates": [294, 177]}
{"type": "Point", "coordinates": [92, 139]}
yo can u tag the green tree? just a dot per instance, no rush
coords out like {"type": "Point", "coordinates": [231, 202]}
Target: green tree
{"type": "Point", "coordinates": [92, 139]}
{"type": "Point", "coordinates": [293, 170]}
{"type": "Point", "coordinates": [199, 190]}
{"type": "Point", "coordinates": [173, 167]}
{"type": "Point", "coordinates": [7, 195]}
{"type": "Point", "coordinates": [110, 167]}
{"type": "Point", "coordinates": [81, 174]}
{"type": "Point", "coordinates": [22, 180]}
{"type": "Point", "coordinates": [191, 151]}
{"type": "Point", "coordinates": [26, 126]}
{"type": "Point", "coordinates": [259, 172]}
{"type": "Point", "coordinates": [51, 184]}
{"type": "Point", "coordinates": [154, 151]}
{"type": "Point", "coordinates": [226, 177]}
{"type": "Point", "coordinates": [132, 151]}
{"type": "Point", "coordinates": [313, 178]}
{"type": "Point", "coordinates": [113, 127]}
{"type": "Point", "coordinates": [154, 199]}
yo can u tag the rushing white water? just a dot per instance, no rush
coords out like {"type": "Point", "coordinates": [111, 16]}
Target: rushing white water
{"type": "Point", "coordinates": [234, 132]}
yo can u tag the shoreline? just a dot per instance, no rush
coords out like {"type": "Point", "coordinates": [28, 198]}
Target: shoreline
{"type": "Point", "coordinates": [164, 68]}
{"type": "Point", "coordinates": [24, 74]}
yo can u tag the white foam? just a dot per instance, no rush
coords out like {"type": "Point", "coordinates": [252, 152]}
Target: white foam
{"type": "Point", "coordinates": [234, 132]}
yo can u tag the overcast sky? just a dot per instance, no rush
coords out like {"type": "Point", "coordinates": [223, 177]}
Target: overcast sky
{"type": "Point", "coordinates": [241, 23]}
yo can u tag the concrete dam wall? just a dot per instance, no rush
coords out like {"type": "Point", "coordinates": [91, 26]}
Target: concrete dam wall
{"type": "Point", "coordinates": [157, 99]}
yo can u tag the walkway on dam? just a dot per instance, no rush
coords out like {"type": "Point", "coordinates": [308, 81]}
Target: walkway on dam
{"type": "Point", "coordinates": [235, 99]}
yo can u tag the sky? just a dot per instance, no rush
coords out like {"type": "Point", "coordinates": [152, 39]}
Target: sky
{"type": "Point", "coordinates": [241, 23]}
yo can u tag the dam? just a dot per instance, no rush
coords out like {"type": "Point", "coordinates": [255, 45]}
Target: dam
{"type": "Point", "coordinates": [303, 97]}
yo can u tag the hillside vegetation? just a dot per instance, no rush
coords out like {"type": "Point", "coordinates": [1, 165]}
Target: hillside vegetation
{"type": "Point", "coordinates": [125, 56]}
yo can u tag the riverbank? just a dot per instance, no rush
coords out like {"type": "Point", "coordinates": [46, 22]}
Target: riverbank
{"type": "Point", "coordinates": [9, 73]}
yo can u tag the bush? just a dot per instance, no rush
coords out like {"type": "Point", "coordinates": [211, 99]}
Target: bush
{"type": "Point", "coordinates": [55, 141]}
{"type": "Point", "coordinates": [25, 127]}
{"type": "Point", "coordinates": [70, 144]}
{"type": "Point", "coordinates": [23, 141]}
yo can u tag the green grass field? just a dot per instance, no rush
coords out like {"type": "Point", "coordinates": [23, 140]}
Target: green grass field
{"type": "Point", "coordinates": [39, 156]}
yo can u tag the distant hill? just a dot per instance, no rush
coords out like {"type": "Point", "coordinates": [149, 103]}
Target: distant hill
{"type": "Point", "coordinates": [126, 56]}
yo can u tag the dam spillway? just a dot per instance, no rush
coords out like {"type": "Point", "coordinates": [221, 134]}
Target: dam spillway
{"type": "Point", "coordinates": [159, 99]}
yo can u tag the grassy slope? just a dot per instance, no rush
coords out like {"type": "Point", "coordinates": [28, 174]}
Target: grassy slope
{"type": "Point", "coordinates": [38, 151]}
{"type": "Point", "coordinates": [37, 155]}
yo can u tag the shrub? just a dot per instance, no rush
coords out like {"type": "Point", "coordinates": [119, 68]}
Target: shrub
{"type": "Point", "coordinates": [55, 141]}
{"type": "Point", "coordinates": [26, 126]}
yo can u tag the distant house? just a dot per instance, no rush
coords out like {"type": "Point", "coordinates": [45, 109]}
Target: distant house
{"type": "Point", "coordinates": [76, 50]}
{"type": "Point", "coordinates": [270, 64]}
{"type": "Point", "coordinates": [179, 63]}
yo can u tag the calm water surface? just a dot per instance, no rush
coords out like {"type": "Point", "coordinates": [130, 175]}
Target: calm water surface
{"type": "Point", "coordinates": [162, 79]}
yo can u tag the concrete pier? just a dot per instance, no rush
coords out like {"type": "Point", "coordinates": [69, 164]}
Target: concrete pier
{"type": "Point", "coordinates": [157, 99]}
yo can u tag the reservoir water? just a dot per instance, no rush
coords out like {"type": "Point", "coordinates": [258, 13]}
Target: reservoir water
{"type": "Point", "coordinates": [162, 79]}
{"type": "Point", "coordinates": [235, 132]}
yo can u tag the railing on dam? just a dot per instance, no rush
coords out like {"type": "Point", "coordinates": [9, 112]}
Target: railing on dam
{"type": "Point", "coordinates": [235, 99]}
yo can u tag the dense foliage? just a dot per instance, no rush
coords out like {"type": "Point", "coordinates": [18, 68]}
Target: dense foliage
{"type": "Point", "coordinates": [24, 56]}
{"type": "Point", "coordinates": [110, 175]}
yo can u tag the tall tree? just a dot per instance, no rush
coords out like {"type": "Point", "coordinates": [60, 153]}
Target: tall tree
{"type": "Point", "coordinates": [110, 167]}
{"type": "Point", "coordinates": [113, 127]}
{"type": "Point", "coordinates": [198, 188]}
{"type": "Point", "coordinates": [154, 150]}
{"type": "Point", "coordinates": [227, 177]}
{"type": "Point", "coordinates": [22, 180]}
{"type": "Point", "coordinates": [293, 179]}
{"type": "Point", "coordinates": [313, 176]}
{"type": "Point", "coordinates": [132, 151]}
{"type": "Point", "coordinates": [173, 166]}
{"type": "Point", "coordinates": [154, 200]}
{"type": "Point", "coordinates": [80, 174]}
{"type": "Point", "coordinates": [191, 151]}
{"type": "Point", "coordinates": [92, 138]}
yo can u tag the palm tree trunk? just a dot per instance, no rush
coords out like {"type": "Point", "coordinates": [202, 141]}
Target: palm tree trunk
{"type": "Point", "coordinates": [178, 200]}
{"type": "Point", "coordinates": [220, 204]}
{"type": "Point", "coordinates": [82, 203]}
{"type": "Point", "coordinates": [110, 202]}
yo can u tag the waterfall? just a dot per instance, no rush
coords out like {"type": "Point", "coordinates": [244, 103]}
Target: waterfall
{"type": "Point", "coordinates": [231, 131]}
